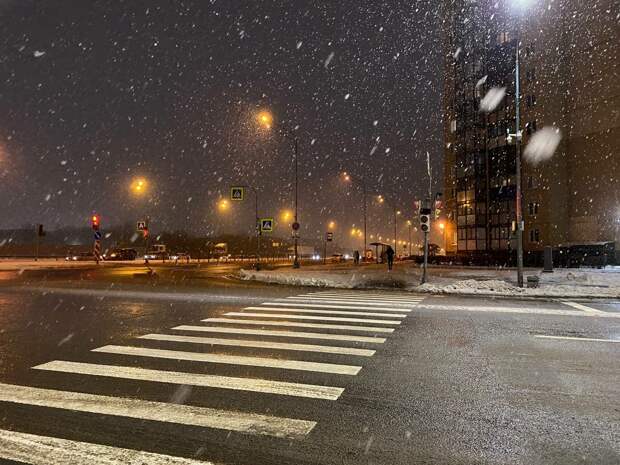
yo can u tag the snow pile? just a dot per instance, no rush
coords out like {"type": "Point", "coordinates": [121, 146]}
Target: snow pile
{"type": "Point", "coordinates": [446, 280]}
{"type": "Point", "coordinates": [353, 280]}
{"type": "Point", "coordinates": [542, 145]}
{"type": "Point", "coordinates": [472, 286]}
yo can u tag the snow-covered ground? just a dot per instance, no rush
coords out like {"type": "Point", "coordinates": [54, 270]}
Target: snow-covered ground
{"type": "Point", "coordinates": [570, 283]}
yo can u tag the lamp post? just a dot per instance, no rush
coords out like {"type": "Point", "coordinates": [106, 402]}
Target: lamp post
{"type": "Point", "coordinates": [409, 224]}
{"type": "Point", "coordinates": [347, 177]}
{"type": "Point", "coordinates": [265, 119]}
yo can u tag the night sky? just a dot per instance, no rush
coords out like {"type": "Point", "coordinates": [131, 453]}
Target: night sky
{"type": "Point", "coordinates": [93, 93]}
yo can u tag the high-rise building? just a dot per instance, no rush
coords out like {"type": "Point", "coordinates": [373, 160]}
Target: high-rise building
{"type": "Point", "coordinates": [569, 81]}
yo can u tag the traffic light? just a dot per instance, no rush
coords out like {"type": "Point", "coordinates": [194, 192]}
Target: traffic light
{"type": "Point", "coordinates": [425, 219]}
{"type": "Point", "coordinates": [95, 222]}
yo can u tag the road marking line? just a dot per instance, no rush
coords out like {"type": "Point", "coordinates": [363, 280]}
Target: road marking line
{"type": "Point", "coordinates": [368, 329]}
{"type": "Point", "coordinates": [282, 333]}
{"type": "Point", "coordinates": [232, 360]}
{"type": "Point", "coordinates": [196, 379]}
{"type": "Point", "coordinates": [523, 310]}
{"type": "Point", "coordinates": [343, 307]}
{"type": "Point", "coordinates": [362, 295]}
{"type": "Point", "coordinates": [369, 298]}
{"type": "Point", "coordinates": [357, 301]}
{"type": "Point", "coordinates": [44, 450]}
{"type": "Point", "coordinates": [581, 307]}
{"type": "Point", "coordinates": [249, 423]}
{"type": "Point", "coordinates": [320, 318]}
{"type": "Point", "coordinates": [572, 338]}
{"type": "Point", "coordinates": [260, 344]}
{"type": "Point", "coordinates": [328, 312]}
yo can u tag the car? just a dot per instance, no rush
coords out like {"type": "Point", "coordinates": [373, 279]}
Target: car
{"type": "Point", "coordinates": [81, 257]}
{"type": "Point", "coordinates": [121, 254]}
{"type": "Point", "coordinates": [180, 257]}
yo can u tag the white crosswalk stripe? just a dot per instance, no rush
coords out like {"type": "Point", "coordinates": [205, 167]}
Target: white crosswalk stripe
{"type": "Point", "coordinates": [260, 344]}
{"type": "Point", "coordinates": [232, 359]}
{"type": "Point", "coordinates": [45, 450]}
{"type": "Point", "coordinates": [195, 379]}
{"type": "Point", "coordinates": [370, 314]}
{"type": "Point", "coordinates": [157, 411]}
{"type": "Point", "coordinates": [319, 318]}
{"type": "Point", "coordinates": [369, 329]}
{"type": "Point", "coordinates": [363, 296]}
{"type": "Point", "coordinates": [349, 300]}
{"type": "Point", "coordinates": [327, 312]}
{"type": "Point", "coordinates": [282, 333]}
{"type": "Point", "coordinates": [334, 306]}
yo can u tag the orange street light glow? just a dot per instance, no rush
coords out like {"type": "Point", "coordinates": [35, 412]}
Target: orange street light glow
{"type": "Point", "coordinates": [265, 119]}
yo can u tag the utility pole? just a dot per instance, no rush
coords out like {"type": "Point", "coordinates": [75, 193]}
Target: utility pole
{"type": "Point", "coordinates": [365, 207]}
{"type": "Point", "coordinates": [518, 201]}
{"type": "Point", "coordinates": [258, 229]}
{"type": "Point", "coordinates": [296, 223]}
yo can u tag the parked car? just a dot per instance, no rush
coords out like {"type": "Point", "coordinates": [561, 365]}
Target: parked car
{"type": "Point", "coordinates": [81, 257]}
{"type": "Point", "coordinates": [121, 254]}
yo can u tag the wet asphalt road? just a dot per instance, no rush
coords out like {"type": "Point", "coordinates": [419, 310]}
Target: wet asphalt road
{"type": "Point", "coordinates": [458, 381]}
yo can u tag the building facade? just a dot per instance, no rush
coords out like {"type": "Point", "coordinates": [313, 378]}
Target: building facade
{"type": "Point", "coordinates": [568, 63]}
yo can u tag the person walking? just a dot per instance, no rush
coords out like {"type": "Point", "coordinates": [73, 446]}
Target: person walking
{"type": "Point", "coordinates": [356, 257]}
{"type": "Point", "coordinates": [390, 257]}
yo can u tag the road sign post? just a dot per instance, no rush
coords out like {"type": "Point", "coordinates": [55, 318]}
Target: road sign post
{"type": "Point", "coordinates": [237, 193]}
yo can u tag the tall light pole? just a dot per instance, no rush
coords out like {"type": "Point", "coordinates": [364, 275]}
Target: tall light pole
{"type": "Point", "coordinates": [265, 119]}
{"type": "Point", "coordinates": [347, 177]}
{"type": "Point", "coordinates": [409, 224]}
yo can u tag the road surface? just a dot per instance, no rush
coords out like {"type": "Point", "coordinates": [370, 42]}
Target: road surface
{"type": "Point", "coordinates": [94, 371]}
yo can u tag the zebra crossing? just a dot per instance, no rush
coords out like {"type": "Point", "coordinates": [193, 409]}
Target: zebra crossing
{"type": "Point", "coordinates": [285, 337]}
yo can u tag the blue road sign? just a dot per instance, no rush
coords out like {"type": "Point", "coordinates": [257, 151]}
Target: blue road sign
{"type": "Point", "coordinates": [97, 235]}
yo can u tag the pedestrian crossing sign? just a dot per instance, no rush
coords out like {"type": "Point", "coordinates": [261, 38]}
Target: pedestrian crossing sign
{"type": "Point", "coordinates": [237, 193]}
{"type": "Point", "coordinates": [266, 224]}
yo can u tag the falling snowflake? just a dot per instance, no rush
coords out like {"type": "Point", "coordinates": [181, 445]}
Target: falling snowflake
{"type": "Point", "coordinates": [542, 145]}
{"type": "Point", "coordinates": [492, 99]}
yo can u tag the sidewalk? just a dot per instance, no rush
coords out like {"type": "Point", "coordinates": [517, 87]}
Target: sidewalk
{"type": "Point", "coordinates": [562, 283]}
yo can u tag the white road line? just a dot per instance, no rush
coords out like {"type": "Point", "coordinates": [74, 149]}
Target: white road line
{"type": "Point", "coordinates": [523, 310]}
{"type": "Point", "coordinates": [360, 302]}
{"type": "Point", "coordinates": [367, 329]}
{"type": "Point", "coordinates": [196, 379]}
{"type": "Point", "coordinates": [263, 362]}
{"type": "Point", "coordinates": [581, 307]}
{"type": "Point", "coordinates": [260, 344]}
{"type": "Point", "coordinates": [343, 307]}
{"type": "Point", "coordinates": [44, 450]}
{"type": "Point", "coordinates": [320, 318]}
{"type": "Point", "coordinates": [362, 295]}
{"type": "Point", "coordinates": [572, 338]}
{"type": "Point", "coordinates": [328, 312]}
{"type": "Point", "coordinates": [361, 298]}
{"type": "Point", "coordinates": [282, 333]}
{"type": "Point", "coordinates": [249, 423]}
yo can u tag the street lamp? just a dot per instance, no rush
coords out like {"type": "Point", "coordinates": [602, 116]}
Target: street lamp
{"type": "Point", "coordinates": [138, 186]}
{"type": "Point", "coordinates": [520, 4]}
{"type": "Point", "coordinates": [265, 120]}
{"type": "Point", "coordinates": [223, 205]}
{"type": "Point", "coordinates": [347, 177]}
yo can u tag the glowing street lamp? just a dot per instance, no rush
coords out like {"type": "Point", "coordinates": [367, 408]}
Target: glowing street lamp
{"type": "Point", "coordinates": [138, 186]}
{"type": "Point", "coordinates": [331, 225]}
{"type": "Point", "coordinates": [265, 119]}
{"type": "Point", "coordinates": [223, 206]}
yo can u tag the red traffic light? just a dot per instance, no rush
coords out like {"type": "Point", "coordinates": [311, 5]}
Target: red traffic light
{"type": "Point", "coordinates": [95, 221]}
